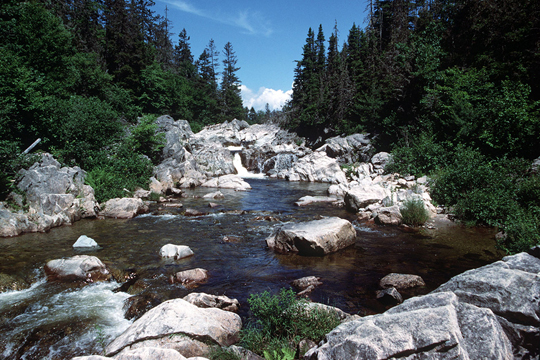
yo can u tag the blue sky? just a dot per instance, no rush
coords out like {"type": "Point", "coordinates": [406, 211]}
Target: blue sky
{"type": "Point", "coordinates": [267, 36]}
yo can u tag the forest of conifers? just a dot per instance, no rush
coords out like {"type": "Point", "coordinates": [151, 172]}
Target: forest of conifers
{"type": "Point", "coordinates": [451, 87]}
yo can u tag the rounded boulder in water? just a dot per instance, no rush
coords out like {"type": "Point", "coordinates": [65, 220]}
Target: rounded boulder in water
{"type": "Point", "coordinates": [85, 242]}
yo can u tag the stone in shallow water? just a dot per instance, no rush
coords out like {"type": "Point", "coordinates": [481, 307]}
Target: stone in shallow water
{"type": "Point", "coordinates": [79, 267]}
{"type": "Point", "coordinates": [175, 251]}
{"type": "Point", "coordinates": [85, 242]}
{"type": "Point", "coordinates": [313, 238]}
{"type": "Point", "coordinates": [401, 281]}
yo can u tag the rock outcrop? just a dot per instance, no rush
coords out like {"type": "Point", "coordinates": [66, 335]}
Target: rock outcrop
{"type": "Point", "coordinates": [55, 196]}
{"type": "Point", "coordinates": [313, 238]}
{"type": "Point", "coordinates": [487, 313]}
{"type": "Point", "coordinates": [177, 324]}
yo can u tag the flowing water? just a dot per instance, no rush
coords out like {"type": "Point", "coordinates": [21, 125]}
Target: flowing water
{"type": "Point", "coordinates": [58, 321]}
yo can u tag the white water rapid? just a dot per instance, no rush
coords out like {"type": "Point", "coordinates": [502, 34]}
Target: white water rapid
{"type": "Point", "coordinates": [94, 313]}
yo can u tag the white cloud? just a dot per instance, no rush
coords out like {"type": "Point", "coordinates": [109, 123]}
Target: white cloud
{"type": "Point", "coordinates": [258, 100]}
{"type": "Point", "coordinates": [252, 22]}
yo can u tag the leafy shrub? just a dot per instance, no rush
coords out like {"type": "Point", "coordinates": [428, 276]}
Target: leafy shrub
{"type": "Point", "coordinates": [494, 192]}
{"type": "Point", "coordinates": [145, 139]}
{"type": "Point", "coordinates": [279, 322]}
{"type": "Point", "coordinates": [423, 156]}
{"type": "Point", "coordinates": [414, 212]}
{"type": "Point", "coordinates": [522, 231]}
{"type": "Point", "coordinates": [110, 175]}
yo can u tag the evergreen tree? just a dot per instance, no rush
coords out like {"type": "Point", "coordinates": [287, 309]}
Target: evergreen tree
{"type": "Point", "coordinates": [231, 101]}
{"type": "Point", "coordinates": [182, 57]}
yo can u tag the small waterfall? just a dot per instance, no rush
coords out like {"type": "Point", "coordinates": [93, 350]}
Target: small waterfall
{"type": "Point", "coordinates": [241, 170]}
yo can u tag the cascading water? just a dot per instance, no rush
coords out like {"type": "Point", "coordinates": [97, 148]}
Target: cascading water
{"type": "Point", "coordinates": [242, 171]}
{"type": "Point", "coordinates": [69, 321]}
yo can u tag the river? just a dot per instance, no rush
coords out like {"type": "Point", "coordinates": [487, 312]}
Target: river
{"type": "Point", "coordinates": [59, 321]}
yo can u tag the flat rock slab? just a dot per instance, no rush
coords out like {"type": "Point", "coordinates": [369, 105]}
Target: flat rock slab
{"type": "Point", "coordinates": [179, 317]}
{"type": "Point", "coordinates": [313, 238]}
{"type": "Point", "coordinates": [308, 200]}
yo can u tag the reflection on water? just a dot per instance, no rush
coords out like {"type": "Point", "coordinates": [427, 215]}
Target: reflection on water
{"type": "Point", "coordinates": [57, 321]}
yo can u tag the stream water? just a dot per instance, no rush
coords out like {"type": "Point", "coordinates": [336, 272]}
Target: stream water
{"type": "Point", "coordinates": [59, 321]}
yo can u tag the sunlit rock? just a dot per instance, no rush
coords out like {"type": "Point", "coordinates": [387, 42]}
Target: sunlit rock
{"type": "Point", "coordinates": [175, 251]}
{"type": "Point", "coordinates": [79, 267]}
{"type": "Point", "coordinates": [123, 208]}
{"type": "Point", "coordinates": [234, 182]}
{"type": "Point", "coordinates": [313, 238]}
{"type": "Point", "coordinates": [85, 242]}
{"type": "Point", "coordinates": [360, 197]}
{"type": "Point", "coordinates": [179, 325]}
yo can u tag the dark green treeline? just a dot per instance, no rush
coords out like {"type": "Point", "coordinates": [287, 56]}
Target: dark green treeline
{"type": "Point", "coordinates": [454, 71]}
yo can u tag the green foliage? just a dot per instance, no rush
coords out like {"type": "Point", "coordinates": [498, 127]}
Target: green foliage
{"type": "Point", "coordinates": [11, 162]}
{"type": "Point", "coordinates": [79, 127]}
{"type": "Point", "coordinates": [219, 353]}
{"type": "Point", "coordinates": [281, 321]}
{"type": "Point", "coordinates": [414, 212]}
{"type": "Point", "coordinates": [111, 174]}
{"type": "Point", "coordinates": [145, 139]}
{"type": "Point", "coordinates": [288, 354]}
{"type": "Point", "coordinates": [423, 156]}
{"type": "Point", "coordinates": [493, 192]}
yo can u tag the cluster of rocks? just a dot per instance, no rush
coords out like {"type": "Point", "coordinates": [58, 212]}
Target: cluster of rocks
{"type": "Point", "coordinates": [492, 312]}
{"type": "Point", "coordinates": [373, 195]}
{"type": "Point", "coordinates": [55, 196]}
{"type": "Point", "coordinates": [198, 159]}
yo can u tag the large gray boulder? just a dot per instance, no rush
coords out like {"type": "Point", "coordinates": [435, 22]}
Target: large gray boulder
{"type": "Point", "coordinates": [123, 208]}
{"type": "Point", "coordinates": [182, 326]}
{"type": "Point", "coordinates": [363, 195]}
{"type": "Point", "coordinates": [77, 268]}
{"type": "Point", "coordinates": [510, 288]}
{"type": "Point", "coordinates": [435, 326]}
{"type": "Point", "coordinates": [487, 313]}
{"type": "Point", "coordinates": [315, 167]}
{"type": "Point", "coordinates": [313, 238]}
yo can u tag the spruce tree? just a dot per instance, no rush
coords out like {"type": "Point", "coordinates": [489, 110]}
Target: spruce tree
{"type": "Point", "coordinates": [231, 101]}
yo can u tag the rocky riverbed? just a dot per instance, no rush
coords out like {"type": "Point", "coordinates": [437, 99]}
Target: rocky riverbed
{"type": "Point", "coordinates": [336, 224]}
